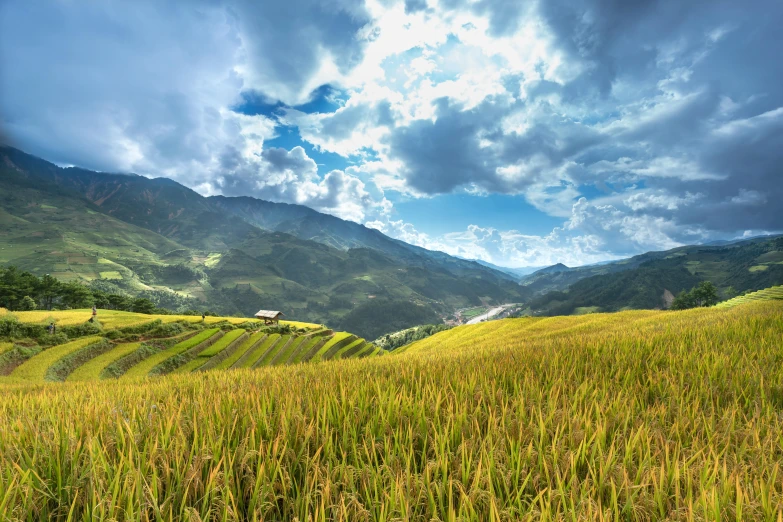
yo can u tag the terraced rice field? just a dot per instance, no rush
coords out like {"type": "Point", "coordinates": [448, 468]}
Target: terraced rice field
{"type": "Point", "coordinates": [97, 357]}
{"type": "Point", "coordinates": [145, 367]}
{"type": "Point", "coordinates": [92, 369]}
{"type": "Point", "coordinates": [773, 293]}
{"type": "Point", "coordinates": [36, 368]}
{"type": "Point", "coordinates": [115, 319]}
{"type": "Point", "coordinates": [633, 416]}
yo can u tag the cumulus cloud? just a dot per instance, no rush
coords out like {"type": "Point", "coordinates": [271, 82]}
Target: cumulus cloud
{"type": "Point", "coordinates": [641, 125]}
{"type": "Point", "coordinates": [148, 88]}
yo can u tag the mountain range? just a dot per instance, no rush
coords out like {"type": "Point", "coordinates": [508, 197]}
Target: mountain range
{"type": "Point", "coordinates": [235, 255]}
{"type": "Point", "coordinates": [651, 279]}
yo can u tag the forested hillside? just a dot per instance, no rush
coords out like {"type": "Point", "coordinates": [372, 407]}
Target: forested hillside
{"type": "Point", "coordinates": [154, 238]}
{"type": "Point", "coordinates": [735, 268]}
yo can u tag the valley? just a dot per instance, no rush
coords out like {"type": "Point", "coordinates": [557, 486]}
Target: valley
{"type": "Point", "coordinates": [157, 239]}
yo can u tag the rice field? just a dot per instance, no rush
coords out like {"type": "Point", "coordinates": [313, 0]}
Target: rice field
{"type": "Point", "coordinates": [116, 319]}
{"type": "Point", "coordinates": [640, 415]}
{"type": "Point", "coordinates": [35, 369]}
{"type": "Point", "coordinates": [768, 294]}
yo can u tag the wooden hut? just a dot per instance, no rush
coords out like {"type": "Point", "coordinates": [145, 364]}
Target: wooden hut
{"type": "Point", "coordinates": [269, 316]}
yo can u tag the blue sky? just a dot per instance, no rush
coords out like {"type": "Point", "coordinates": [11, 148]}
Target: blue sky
{"type": "Point", "coordinates": [520, 133]}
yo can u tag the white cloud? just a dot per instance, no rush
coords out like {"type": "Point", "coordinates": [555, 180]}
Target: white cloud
{"type": "Point", "coordinates": [669, 112]}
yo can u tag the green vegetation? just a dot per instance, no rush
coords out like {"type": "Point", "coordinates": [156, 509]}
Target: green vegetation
{"type": "Point", "coordinates": [774, 293]}
{"type": "Point", "coordinates": [153, 239]}
{"type": "Point", "coordinates": [282, 355]}
{"type": "Point", "coordinates": [395, 340]}
{"type": "Point", "coordinates": [247, 346]}
{"type": "Point", "coordinates": [146, 366]}
{"type": "Point", "coordinates": [24, 291]}
{"type": "Point", "coordinates": [470, 313]}
{"type": "Point", "coordinates": [642, 282]}
{"type": "Point", "coordinates": [256, 354]}
{"type": "Point", "coordinates": [234, 336]}
{"type": "Point", "coordinates": [330, 348]}
{"type": "Point", "coordinates": [307, 347]}
{"type": "Point", "coordinates": [35, 369]}
{"type": "Point", "coordinates": [92, 369]}
{"type": "Point", "coordinates": [704, 294]}
{"type": "Point", "coordinates": [380, 316]}
{"type": "Point", "coordinates": [639, 415]}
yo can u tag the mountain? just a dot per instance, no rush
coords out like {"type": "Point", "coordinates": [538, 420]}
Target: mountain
{"type": "Point", "coordinates": [649, 280]}
{"type": "Point", "coordinates": [554, 269]}
{"type": "Point", "coordinates": [514, 272]}
{"type": "Point", "coordinates": [306, 223]}
{"type": "Point", "coordinates": [559, 277]}
{"type": "Point", "coordinates": [233, 255]}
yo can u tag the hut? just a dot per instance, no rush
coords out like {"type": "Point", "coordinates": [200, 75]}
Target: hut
{"type": "Point", "coordinates": [269, 316]}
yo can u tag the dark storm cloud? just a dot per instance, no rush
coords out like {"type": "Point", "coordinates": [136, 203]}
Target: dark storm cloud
{"type": "Point", "coordinates": [287, 41]}
{"type": "Point", "coordinates": [662, 85]}
{"type": "Point", "coordinates": [444, 154]}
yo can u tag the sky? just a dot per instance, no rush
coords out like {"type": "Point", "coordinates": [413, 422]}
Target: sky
{"type": "Point", "coordinates": [523, 133]}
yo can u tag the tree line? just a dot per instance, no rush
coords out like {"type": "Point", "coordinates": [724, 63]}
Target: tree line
{"type": "Point", "coordinates": [23, 291]}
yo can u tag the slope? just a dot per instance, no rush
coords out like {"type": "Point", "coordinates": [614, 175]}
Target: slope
{"type": "Point", "coordinates": [636, 416]}
{"type": "Point", "coordinates": [736, 267]}
{"type": "Point", "coordinates": [156, 235]}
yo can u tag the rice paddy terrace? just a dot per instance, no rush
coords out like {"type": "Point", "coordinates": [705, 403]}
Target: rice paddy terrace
{"type": "Point", "coordinates": [768, 294]}
{"type": "Point", "coordinates": [637, 416]}
{"type": "Point", "coordinates": [132, 345]}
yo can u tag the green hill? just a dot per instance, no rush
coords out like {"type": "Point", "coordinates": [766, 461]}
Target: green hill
{"type": "Point", "coordinates": [184, 251]}
{"type": "Point", "coordinates": [643, 282]}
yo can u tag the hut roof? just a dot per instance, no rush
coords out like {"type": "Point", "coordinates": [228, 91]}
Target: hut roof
{"type": "Point", "coordinates": [268, 314]}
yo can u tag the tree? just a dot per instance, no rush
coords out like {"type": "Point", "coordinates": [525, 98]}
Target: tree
{"type": "Point", "coordinates": [119, 302]}
{"type": "Point", "coordinates": [47, 289]}
{"type": "Point", "coordinates": [705, 294]}
{"type": "Point", "coordinates": [27, 303]}
{"type": "Point", "coordinates": [101, 299]}
{"type": "Point", "coordinates": [75, 295]}
{"type": "Point", "coordinates": [143, 306]}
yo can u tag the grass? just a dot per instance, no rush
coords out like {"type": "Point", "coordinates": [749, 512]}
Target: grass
{"type": "Point", "coordinates": [269, 356]}
{"type": "Point", "coordinates": [648, 415]}
{"type": "Point", "coordinates": [306, 326]}
{"type": "Point", "coordinates": [92, 369]}
{"type": "Point", "coordinates": [348, 347]}
{"type": "Point", "coordinates": [4, 347]}
{"type": "Point", "coordinates": [35, 368]}
{"type": "Point", "coordinates": [146, 366]}
{"type": "Point", "coordinates": [288, 349]}
{"type": "Point", "coordinates": [111, 319]}
{"type": "Point", "coordinates": [339, 339]}
{"type": "Point", "coordinates": [581, 310]}
{"type": "Point", "coordinates": [211, 351]}
{"type": "Point", "coordinates": [247, 360]}
{"type": "Point", "coordinates": [248, 344]}
{"type": "Point", "coordinates": [306, 347]}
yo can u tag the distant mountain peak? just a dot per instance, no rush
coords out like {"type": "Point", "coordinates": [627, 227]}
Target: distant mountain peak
{"type": "Point", "coordinates": [559, 267]}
